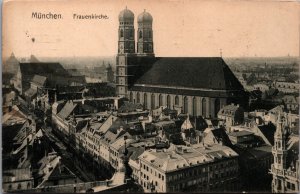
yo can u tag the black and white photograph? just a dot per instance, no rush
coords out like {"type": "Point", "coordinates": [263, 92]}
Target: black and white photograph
{"type": "Point", "coordinates": [162, 96]}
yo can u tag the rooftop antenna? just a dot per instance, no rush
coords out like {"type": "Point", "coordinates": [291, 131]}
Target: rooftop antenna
{"type": "Point", "coordinates": [221, 52]}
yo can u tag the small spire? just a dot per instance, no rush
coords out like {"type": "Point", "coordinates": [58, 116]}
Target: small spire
{"type": "Point", "coordinates": [144, 10]}
{"type": "Point", "coordinates": [126, 7]}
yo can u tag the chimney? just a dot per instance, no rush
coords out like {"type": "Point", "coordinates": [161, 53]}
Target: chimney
{"type": "Point", "coordinates": [120, 129]}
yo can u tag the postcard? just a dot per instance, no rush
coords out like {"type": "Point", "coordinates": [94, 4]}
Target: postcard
{"type": "Point", "coordinates": [150, 96]}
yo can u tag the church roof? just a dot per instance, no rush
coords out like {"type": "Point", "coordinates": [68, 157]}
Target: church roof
{"type": "Point", "coordinates": [189, 72]}
{"type": "Point", "coordinates": [43, 69]}
{"type": "Point", "coordinates": [39, 80]}
{"type": "Point", "coordinates": [126, 15]}
{"type": "Point", "coordinates": [145, 17]}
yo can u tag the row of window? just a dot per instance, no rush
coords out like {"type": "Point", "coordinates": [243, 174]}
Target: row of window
{"type": "Point", "coordinates": [20, 186]}
{"type": "Point", "coordinates": [126, 23]}
{"type": "Point", "coordinates": [176, 102]}
{"type": "Point", "coordinates": [157, 174]}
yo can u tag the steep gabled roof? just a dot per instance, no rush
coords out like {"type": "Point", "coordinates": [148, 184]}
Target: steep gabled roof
{"type": "Point", "coordinates": [191, 72]}
{"type": "Point", "coordinates": [39, 80]}
{"type": "Point", "coordinates": [67, 109]}
{"type": "Point", "coordinates": [40, 68]}
{"type": "Point", "coordinates": [268, 131]}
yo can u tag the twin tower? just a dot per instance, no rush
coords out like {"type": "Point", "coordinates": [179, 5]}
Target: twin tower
{"type": "Point", "coordinates": [127, 35]}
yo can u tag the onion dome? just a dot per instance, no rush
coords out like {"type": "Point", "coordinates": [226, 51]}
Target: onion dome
{"type": "Point", "coordinates": [145, 17]}
{"type": "Point", "coordinates": [126, 15]}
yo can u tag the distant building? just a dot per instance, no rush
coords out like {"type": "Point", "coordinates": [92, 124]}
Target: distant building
{"type": "Point", "coordinates": [291, 103]}
{"type": "Point", "coordinates": [53, 172]}
{"type": "Point", "coordinates": [55, 73]}
{"type": "Point", "coordinates": [232, 115]}
{"type": "Point", "coordinates": [11, 64]}
{"type": "Point", "coordinates": [287, 87]}
{"type": "Point", "coordinates": [17, 179]}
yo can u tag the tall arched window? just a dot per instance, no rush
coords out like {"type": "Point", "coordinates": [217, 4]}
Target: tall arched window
{"type": "Point", "coordinates": [204, 107]}
{"type": "Point", "coordinates": [185, 105]}
{"type": "Point", "coordinates": [131, 33]}
{"type": "Point", "coordinates": [194, 106]}
{"type": "Point", "coordinates": [176, 100]}
{"type": "Point", "coordinates": [121, 33]}
{"type": "Point", "coordinates": [140, 34]}
{"type": "Point", "coordinates": [160, 100]}
{"type": "Point", "coordinates": [217, 106]}
{"type": "Point", "coordinates": [138, 96]}
{"type": "Point", "coordinates": [152, 101]}
{"type": "Point", "coordinates": [168, 101]}
{"type": "Point", "coordinates": [150, 48]}
{"type": "Point", "coordinates": [145, 100]}
{"type": "Point", "coordinates": [131, 97]}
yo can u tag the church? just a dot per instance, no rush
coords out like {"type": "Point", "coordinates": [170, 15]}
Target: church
{"type": "Point", "coordinates": [198, 86]}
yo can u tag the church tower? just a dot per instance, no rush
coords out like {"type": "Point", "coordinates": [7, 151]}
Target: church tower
{"type": "Point", "coordinates": [279, 152]}
{"type": "Point", "coordinates": [126, 50]}
{"type": "Point", "coordinates": [145, 35]}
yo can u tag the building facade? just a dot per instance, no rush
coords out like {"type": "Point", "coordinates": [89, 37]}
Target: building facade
{"type": "Point", "coordinates": [182, 168]}
{"type": "Point", "coordinates": [200, 86]}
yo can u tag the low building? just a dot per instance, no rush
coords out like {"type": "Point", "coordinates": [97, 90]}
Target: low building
{"type": "Point", "coordinates": [232, 115]}
{"type": "Point", "coordinates": [291, 103]}
{"type": "Point", "coordinates": [181, 168]}
{"type": "Point", "coordinates": [287, 87]}
{"type": "Point", "coordinates": [17, 179]}
{"type": "Point", "coordinates": [237, 137]}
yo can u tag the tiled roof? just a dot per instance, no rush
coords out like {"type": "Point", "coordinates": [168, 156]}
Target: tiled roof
{"type": "Point", "coordinates": [136, 152]}
{"type": "Point", "coordinates": [229, 110]}
{"type": "Point", "coordinates": [240, 133]}
{"type": "Point", "coordinates": [43, 69]}
{"type": "Point", "coordinates": [30, 92]}
{"type": "Point", "coordinates": [268, 131]}
{"type": "Point", "coordinates": [67, 109]}
{"type": "Point", "coordinates": [190, 72]}
{"type": "Point", "coordinates": [129, 107]}
{"type": "Point", "coordinates": [39, 80]}
{"type": "Point", "coordinates": [180, 157]}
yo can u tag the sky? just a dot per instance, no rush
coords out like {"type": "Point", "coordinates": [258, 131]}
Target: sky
{"type": "Point", "coordinates": [180, 28]}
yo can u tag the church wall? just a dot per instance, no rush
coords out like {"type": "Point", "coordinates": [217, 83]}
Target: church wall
{"type": "Point", "coordinates": [209, 109]}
